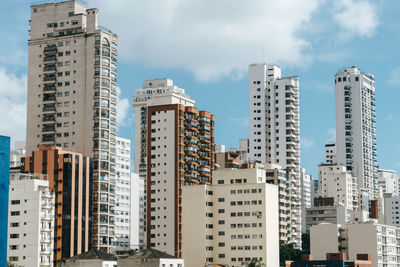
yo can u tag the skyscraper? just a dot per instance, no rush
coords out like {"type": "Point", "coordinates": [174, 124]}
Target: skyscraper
{"type": "Point", "coordinates": [274, 128]}
{"type": "Point", "coordinates": [356, 126]}
{"type": "Point", "coordinates": [174, 145]}
{"type": "Point", "coordinates": [72, 97]}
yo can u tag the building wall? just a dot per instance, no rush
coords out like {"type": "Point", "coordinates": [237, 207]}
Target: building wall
{"type": "Point", "coordinates": [356, 126]}
{"type": "Point", "coordinates": [137, 212]}
{"type": "Point", "coordinates": [330, 153]}
{"type": "Point", "coordinates": [174, 146]}
{"type": "Point", "coordinates": [70, 175]}
{"type": "Point", "coordinates": [4, 187]}
{"type": "Point", "coordinates": [274, 128]}
{"type": "Point", "coordinates": [378, 240]}
{"type": "Point", "coordinates": [72, 93]}
{"type": "Point", "coordinates": [237, 218]}
{"type": "Point", "coordinates": [122, 192]}
{"type": "Point", "coordinates": [335, 181]}
{"type": "Point", "coordinates": [31, 221]}
{"type": "Point", "coordinates": [388, 180]}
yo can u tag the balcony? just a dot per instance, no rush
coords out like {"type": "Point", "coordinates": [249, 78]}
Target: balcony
{"type": "Point", "coordinates": [49, 58]}
{"type": "Point", "coordinates": [49, 87]}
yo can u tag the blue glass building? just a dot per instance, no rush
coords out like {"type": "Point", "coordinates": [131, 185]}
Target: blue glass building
{"type": "Point", "coordinates": [4, 187]}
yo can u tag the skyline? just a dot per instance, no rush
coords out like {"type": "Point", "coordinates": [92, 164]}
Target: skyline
{"type": "Point", "coordinates": [320, 51]}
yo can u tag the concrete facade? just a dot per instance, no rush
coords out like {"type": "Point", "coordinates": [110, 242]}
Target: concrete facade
{"type": "Point", "coordinates": [274, 128]}
{"type": "Point", "coordinates": [330, 153]}
{"type": "Point", "coordinates": [356, 126]}
{"type": "Point", "coordinates": [123, 194]}
{"type": "Point", "coordinates": [72, 95]}
{"type": "Point", "coordinates": [174, 145]}
{"type": "Point", "coordinates": [389, 181]}
{"type": "Point", "coordinates": [378, 240]}
{"type": "Point", "coordinates": [231, 221]}
{"type": "Point", "coordinates": [31, 221]}
{"type": "Point", "coordinates": [137, 212]}
{"type": "Point", "coordinates": [336, 182]}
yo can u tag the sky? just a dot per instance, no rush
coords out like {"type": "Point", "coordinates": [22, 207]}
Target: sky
{"type": "Point", "coordinates": [205, 46]}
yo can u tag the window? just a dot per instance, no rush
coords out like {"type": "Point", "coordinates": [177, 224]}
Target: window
{"type": "Point", "coordinates": [15, 202]}
{"type": "Point", "coordinates": [14, 213]}
{"type": "Point", "coordinates": [14, 235]}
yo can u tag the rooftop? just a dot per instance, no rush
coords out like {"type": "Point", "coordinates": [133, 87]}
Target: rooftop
{"type": "Point", "coordinates": [151, 253]}
{"type": "Point", "coordinates": [93, 254]}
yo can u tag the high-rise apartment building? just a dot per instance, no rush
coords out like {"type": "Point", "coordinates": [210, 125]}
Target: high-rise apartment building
{"type": "Point", "coordinates": [122, 192]}
{"type": "Point", "coordinates": [174, 145]}
{"type": "Point", "coordinates": [356, 126]}
{"type": "Point", "coordinates": [72, 97]}
{"type": "Point", "coordinates": [70, 177]}
{"type": "Point", "coordinates": [31, 221]}
{"type": "Point", "coordinates": [231, 221]}
{"type": "Point", "coordinates": [274, 126]}
{"type": "Point", "coordinates": [4, 185]}
{"type": "Point", "coordinates": [330, 153]}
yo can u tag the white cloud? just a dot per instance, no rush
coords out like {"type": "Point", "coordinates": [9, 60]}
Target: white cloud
{"type": "Point", "coordinates": [207, 37]}
{"type": "Point", "coordinates": [394, 78]}
{"type": "Point", "coordinates": [306, 143]}
{"type": "Point", "coordinates": [122, 110]}
{"type": "Point", "coordinates": [12, 105]}
{"type": "Point", "coordinates": [356, 17]}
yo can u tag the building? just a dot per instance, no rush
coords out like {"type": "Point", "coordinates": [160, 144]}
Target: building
{"type": "Point", "coordinates": [91, 258]}
{"type": "Point", "coordinates": [17, 154]}
{"type": "Point", "coordinates": [231, 221]}
{"type": "Point", "coordinates": [69, 175]}
{"type": "Point", "coordinates": [336, 182]}
{"type": "Point", "coordinates": [378, 240]}
{"type": "Point", "coordinates": [150, 258]}
{"type": "Point", "coordinates": [391, 209]}
{"type": "Point", "coordinates": [72, 96]}
{"type": "Point", "coordinates": [137, 213]}
{"type": "Point", "coordinates": [123, 194]}
{"type": "Point", "coordinates": [31, 221]}
{"type": "Point", "coordinates": [327, 210]}
{"type": "Point", "coordinates": [174, 145]}
{"type": "Point", "coordinates": [288, 225]}
{"type": "Point", "coordinates": [333, 260]}
{"type": "Point", "coordinates": [330, 153]}
{"type": "Point", "coordinates": [356, 126]}
{"type": "Point", "coordinates": [314, 189]}
{"type": "Point", "coordinates": [4, 188]}
{"type": "Point", "coordinates": [305, 188]}
{"type": "Point", "coordinates": [388, 180]}
{"type": "Point", "coordinates": [274, 126]}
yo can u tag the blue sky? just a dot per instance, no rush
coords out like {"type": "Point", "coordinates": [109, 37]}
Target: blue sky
{"type": "Point", "coordinates": [205, 46]}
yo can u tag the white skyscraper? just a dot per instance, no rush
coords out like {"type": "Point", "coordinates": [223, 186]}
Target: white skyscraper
{"type": "Point", "coordinates": [356, 126]}
{"type": "Point", "coordinates": [122, 192]}
{"type": "Point", "coordinates": [274, 127]}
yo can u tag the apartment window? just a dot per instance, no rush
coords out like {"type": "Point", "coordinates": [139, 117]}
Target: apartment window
{"type": "Point", "coordinates": [67, 53]}
{"type": "Point", "coordinates": [15, 202]}
{"type": "Point", "coordinates": [15, 213]}
{"type": "Point", "coordinates": [13, 258]}
{"type": "Point", "coordinates": [14, 235]}
{"type": "Point", "coordinates": [221, 233]}
{"type": "Point", "coordinates": [221, 199]}
{"type": "Point", "coordinates": [221, 222]}
{"type": "Point", "coordinates": [221, 210]}
{"type": "Point", "coordinates": [67, 63]}
{"type": "Point", "coordinates": [13, 247]}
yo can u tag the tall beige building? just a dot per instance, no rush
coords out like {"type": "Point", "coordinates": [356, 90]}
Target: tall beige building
{"type": "Point", "coordinates": [174, 146]}
{"type": "Point", "coordinates": [72, 97]}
